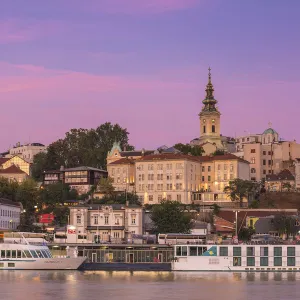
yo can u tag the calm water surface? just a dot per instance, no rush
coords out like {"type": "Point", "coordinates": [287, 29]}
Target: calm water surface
{"type": "Point", "coordinates": [63, 285]}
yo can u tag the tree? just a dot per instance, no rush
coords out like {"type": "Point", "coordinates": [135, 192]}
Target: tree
{"type": "Point", "coordinates": [218, 152]}
{"type": "Point", "coordinates": [87, 147]}
{"type": "Point", "coordinates": [285, 224]}
{"type": "Point", "coordinates": [238, 189]}
{"type": "Point", "coordinates": [169, 217]}
{"type": "Point", "coordinates": [105, 186]}
{"type": "Point", "coordinates": [188, 149]}
{"type": "Point", "coordinates": [8, 189]}
{"type": "Point", "coordinates": [245, 234]}
{"type": "Point", "coordinates": [286, 186]}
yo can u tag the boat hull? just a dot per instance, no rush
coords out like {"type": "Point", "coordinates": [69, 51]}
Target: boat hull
{"type": "Point", "coordinates": [43, 264]}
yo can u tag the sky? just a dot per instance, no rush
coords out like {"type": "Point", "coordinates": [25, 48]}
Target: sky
{"type": "Point", "coordinates": [143, 64]}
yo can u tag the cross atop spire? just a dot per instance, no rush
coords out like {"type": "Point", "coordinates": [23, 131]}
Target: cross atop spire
{"type": "Point", "coordinates": [209, 101]}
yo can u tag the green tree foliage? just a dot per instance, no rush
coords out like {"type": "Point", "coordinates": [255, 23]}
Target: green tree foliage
{"type": "Point", "coordinates": [286, 186]}
{"type": "Point", "coordinates": [55, 194]}
{"type": "Point", "coordinates": [245, 234]}
{"type": "Point", "coordinates": [188, 149]}
{"type": "Point", "coordinates": [238, 189]}
{"type": "Point", "coordinates": [285, 224]}
{"type": "Point", "coordinates": [169, 217]}
{"type": "Point", "coordinates": [105, 186]}
{"type": "Point", "coordinates": [81, 147]}
{"type": "Point", "coordinates": [8, 189]}
{"type": "Point", "coordinates": [219, 152]}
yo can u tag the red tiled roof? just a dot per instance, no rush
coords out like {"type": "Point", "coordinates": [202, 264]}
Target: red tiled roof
{"type": "Point", "coordinates": [3, 160]}
{"type": "Point", "coordinates": [223, 225]}
{"type": "Point", "coordinates": [227, 156]}
{"type": "Point", "coordinates": [229, 215]}
{"type": "Point", "coordinates": [12, 170]}
{"type": "Point", "coordinates": [169, 156]}
{"type": "Point", "coordinates": [123, 161]}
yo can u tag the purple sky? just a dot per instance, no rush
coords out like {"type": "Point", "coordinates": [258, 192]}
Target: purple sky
{"type": "Point", "coordinates": [143, 64]}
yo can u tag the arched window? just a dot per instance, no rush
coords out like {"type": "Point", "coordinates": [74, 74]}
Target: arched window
{"type": "Point", "coordinates": [253, 170]}
{"type": "Point", "coordinates": [204, 129]}
{"type": "Point", "coordinates": [252, 160]}
{"type": "Point", "coordinates": [213, 128]}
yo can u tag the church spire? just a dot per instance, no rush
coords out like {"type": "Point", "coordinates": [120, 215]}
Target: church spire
{"type": "Point", "coordinates": [209, 101]}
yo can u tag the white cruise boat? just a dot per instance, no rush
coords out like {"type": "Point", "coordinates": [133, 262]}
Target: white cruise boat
{"type": "Point", "coordinates": [20, 255]}
{"type": "Point", "coordinates": [237, 258]}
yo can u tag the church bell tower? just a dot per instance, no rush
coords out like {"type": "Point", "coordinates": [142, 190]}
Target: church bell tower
{"type": "Point", "coordinates": [210, 118]}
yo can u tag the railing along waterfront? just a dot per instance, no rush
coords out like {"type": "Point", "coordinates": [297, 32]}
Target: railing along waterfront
{"type": "Point", "coordinates": [128, 256]}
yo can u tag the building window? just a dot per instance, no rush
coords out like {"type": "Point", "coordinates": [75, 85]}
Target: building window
{"type": "Point", "coordinates": [159, 198]}
{"type": "Point", "coordinates": [252, 150]}
{"type": "Point", "coordinates": [150, 197]}
{"type": "Point", "coordinates": [95, 220]}
{"type": "Point", "coordinates": [204, 129]}
{"type": "Point", "coordinates": [269, 162]}
{"type": "Point", "coordinates": [219, 167]}
{"type": "Point", "coordinates": [209, 168]}
{"type": "Point", "coordinates": [252, 160]}
{"type": "Point", "coordinates": [78, 219]}
{"type": "Point", "coordinates": [203, 169]}
{"type": "Point", "coordinates": [106, 220]}
{"type": "Point", "coordinates": [209, 178]}
{"type": "Point", "coordinates": [213, 128]}
{"type": "Point", "coordinates": [225, 167]}
{"type": "Point", "coordinates": [264, 162]}
{"type": "Point", "coordinates": [264, 172]}
{"type": "Point", "coordinates": [253, 170]}
{"type": "Point", "coordinates": [253, 178]}
{"type": "Point", "coordinates": [133, 219]}
{"type": "Point", "coordinates": [169, 197]}
{"type": "Point", "coordinates": [225, 177]}
{"type": "Point", "coordinates": [223, 251]}
{"type": "Point", "coordinates": [264, 152]}
{"type": "Point", "coordinates": [178, 197]}
{"type": "Point", "coordinates": [231, 167]}
{"type": "Point", "coordinates": [203, 178]}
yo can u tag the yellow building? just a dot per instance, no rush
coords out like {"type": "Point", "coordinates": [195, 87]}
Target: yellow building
{"type": "Point", "coordinates": [17, 161]}
{"type": "Point", "coordinates": [167, 176]}
{"type": "Point", "coordinates": [13, 173]}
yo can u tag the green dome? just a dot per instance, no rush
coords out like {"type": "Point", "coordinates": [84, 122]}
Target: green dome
{"type": "Point", "coordinates": [270, 130]}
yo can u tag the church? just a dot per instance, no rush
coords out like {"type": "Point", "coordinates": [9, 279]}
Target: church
{"type": "Point", "coordinates": [211, 139]}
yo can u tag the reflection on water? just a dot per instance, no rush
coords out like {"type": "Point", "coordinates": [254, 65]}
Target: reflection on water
{"type": "Point", "coordinates": [147, 285]}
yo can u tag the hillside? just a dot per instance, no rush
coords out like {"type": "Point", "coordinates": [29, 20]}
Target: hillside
{"type": "Point", "coordinates": [280, 200]}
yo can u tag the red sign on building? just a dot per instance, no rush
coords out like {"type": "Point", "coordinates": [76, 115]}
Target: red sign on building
{"type": "Point", "coordinates": [46, 218]}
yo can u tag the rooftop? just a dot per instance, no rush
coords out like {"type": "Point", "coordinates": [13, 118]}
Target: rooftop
{"type": "Point", "coordinates": [12, 170]}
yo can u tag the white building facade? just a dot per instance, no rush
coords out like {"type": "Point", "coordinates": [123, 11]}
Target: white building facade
{"type": "Point", "coordinates": [9, 215]}
{"type": "Point", "coordinates": [113, 223]}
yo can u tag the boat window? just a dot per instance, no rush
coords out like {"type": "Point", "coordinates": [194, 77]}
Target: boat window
{"type": "Point", "coordinates": [237, 261]}
{"type": "Point", "coordinates": [277, 261]}
{"type": "Point", "coordinates": [3, 253]}
{"type": "Point", "coordinates": [49, 253]}
{"type": "Point", "coordinates": [291, 261]}
{"type": "Point", "coordinates": [250, 261]}
{"type": "Point", "coordinates": [19, 253]}
{"type": "Point", "coordinates": [27, 254]}
{"type": "Point", "coordinates": [8, 253]}
{"type": "Point", "coordinates": [290, 251]}
{"type": "Point", "coordinates": [45, 254]}
{"type": "Point", "coordinates": [264, 251]}
{"type": "Point", "coordinates": [39, 253]}
{"type": "Point", "coordinates": [11, 265]}
{"type": "Point", "coordinates": [13, 253]}
{"type": "Point", "coordinates": [33, 253]}
{"type": "Point", "coordinates": [264, 261]}
{"type": "Point", "coordinates": [181, 250]}
{"type": "Point", "coordinates": [223, 251]}
{"type": "Point", "coordinates": [277, 251]}
{"type": "Point", "coordinates": [237, 251]}
{"type": "Point", "coordinates": [250, 251]}
{"type": "Point", "coordinates": [193, 251]}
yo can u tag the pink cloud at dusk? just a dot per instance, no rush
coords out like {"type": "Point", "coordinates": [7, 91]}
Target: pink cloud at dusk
{"type": "Point", "coordinates": [162, 108]}
{"type": "Point", "coordinates": [18, 31]}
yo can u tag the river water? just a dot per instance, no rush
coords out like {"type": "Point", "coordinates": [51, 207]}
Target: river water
{"type": "Point", "coordinates": [63, 285]}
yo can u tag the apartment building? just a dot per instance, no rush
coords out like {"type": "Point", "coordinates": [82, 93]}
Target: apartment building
{"type": "Point", "coordinates": [79, 178]}
{"type": "Point", "coordinates": [115, 223]}
{"type": "Point", "coordinates": [17, 161]}
{"type": "Point", "coordinates": [216, 172]}
{"type": "Point", "coordinates": [27, 151]}
{"type": "Point", "coordinates": [167, 176]}
{"type": "Point", "coordinates": [9, 214]}
{"type": "Point", "coordinates": [267, 154]}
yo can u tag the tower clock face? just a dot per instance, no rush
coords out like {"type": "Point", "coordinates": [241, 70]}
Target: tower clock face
{"type": "Point", "coordinates": [204, 121]}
